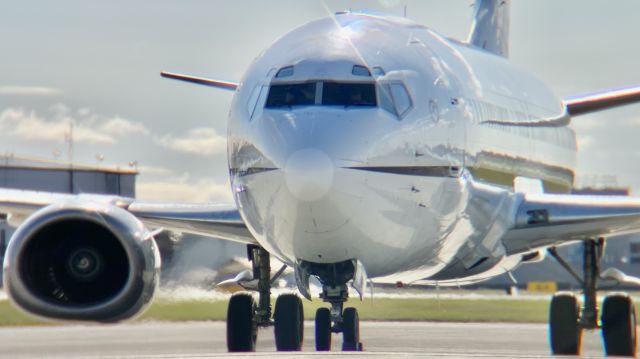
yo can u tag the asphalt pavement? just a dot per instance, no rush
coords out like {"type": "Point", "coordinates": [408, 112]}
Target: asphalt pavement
{"type": "Point", "coordinates": [207, 340]}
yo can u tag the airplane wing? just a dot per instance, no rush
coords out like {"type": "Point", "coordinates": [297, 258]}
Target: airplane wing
{"type": "Point", "coordinates": [602, 100]}
{"type": "Point", "coordinates": [543, 220]}
{"type": "Point", "coordinates": [213, 220]}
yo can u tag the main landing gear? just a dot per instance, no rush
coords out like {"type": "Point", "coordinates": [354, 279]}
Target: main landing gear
{"type": "Point", "coordinates": [245, 316]}
{"type": "Point", "coordinates": [567, 319]}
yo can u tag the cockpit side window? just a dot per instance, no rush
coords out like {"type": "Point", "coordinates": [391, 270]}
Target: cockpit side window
{"type": "Point", "coordinates": [395, 98]}
{"type": "Point", "coordinates": [287, 95]}
{"type": "Point", "coordinates": [349, 94]}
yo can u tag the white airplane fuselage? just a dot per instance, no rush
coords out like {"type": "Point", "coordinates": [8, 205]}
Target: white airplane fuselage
{"type": "Point", "coordinates": [421, 188]}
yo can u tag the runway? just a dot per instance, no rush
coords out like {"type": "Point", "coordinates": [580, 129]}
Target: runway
{"type": "Point", "coordinates": [207, 340]}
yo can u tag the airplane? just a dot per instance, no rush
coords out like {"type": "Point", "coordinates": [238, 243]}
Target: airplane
{"type": "Point", "coordinates": [361, 147]}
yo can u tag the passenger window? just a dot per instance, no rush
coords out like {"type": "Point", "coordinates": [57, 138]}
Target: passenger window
{"type": "Point", "coordinates": [282, 95]}
{"type": "Point", "coordinates": [348, 94]}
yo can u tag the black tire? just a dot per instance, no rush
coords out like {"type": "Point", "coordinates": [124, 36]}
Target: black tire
{"type": "Point", "coordinates": [619, 325]}
{"type": "Point", "coordinates": [565, 332]}
{"type": "Point", "coordinates": [242, 331]}
{"type": "Point", "coordinates": [351, 330]}
{"type": "Point", "coordinates": [288, 323]}
{"type": "Point", "coordinates": [323, 329]}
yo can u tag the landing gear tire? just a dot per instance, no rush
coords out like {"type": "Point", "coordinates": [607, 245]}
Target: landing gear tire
{"type": "Point", "coordinates": [619, 325]}
{"type": "Point", "coordinates": [323, 329]}
{"type": "Point", "coordinates": [564, 325]}
{"type": "Point", "coordinates": [351, 330]}
{"type": "Point", "coordinates": [288, 323]}
{"type": "Point", "coordinates": [242, 331]}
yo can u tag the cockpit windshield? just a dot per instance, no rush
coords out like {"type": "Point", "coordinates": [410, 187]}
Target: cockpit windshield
{"type": "Point", "coordinates": [390, 96]}
{"type": "Point", "coordinates": [348, 94]}
{"type": "Point", "coordinates": [299, 94]}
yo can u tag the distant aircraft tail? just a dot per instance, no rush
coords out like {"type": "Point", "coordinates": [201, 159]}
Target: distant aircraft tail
{"type": "Point", "coordinates": [490, 29]}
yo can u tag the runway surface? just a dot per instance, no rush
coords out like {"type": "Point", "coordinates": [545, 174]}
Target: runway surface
{"type": "Point", "coordinates": [207, 340]}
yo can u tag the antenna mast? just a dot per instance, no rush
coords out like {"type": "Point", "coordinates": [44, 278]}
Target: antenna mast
{"type": "Point", "coordinates": [69, 139]}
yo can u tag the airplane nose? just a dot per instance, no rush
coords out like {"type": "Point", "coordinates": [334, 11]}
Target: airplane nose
{"type": "Point", "coordinates": [309, 174]}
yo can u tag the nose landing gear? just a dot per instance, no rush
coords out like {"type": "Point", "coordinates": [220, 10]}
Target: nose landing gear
{"type": "Point", "coordinates": [337, 320]}
{"type": "Point", "coordinates": [334, 278]}
{"type": "Point", "coordinates": [567, 319]}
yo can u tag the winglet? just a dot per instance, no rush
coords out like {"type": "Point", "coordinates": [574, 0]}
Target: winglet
{"type": "Point", "coordinates": [225, 85]}
{"type": "Point", "coordinates": [603, 100]}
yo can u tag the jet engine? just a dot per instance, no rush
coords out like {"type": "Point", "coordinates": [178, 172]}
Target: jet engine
{"type": "Point", "coordinates": [82, 261]}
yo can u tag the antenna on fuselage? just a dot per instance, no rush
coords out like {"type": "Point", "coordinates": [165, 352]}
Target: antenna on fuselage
{"type": "Point", "coordinates": [405, 11]}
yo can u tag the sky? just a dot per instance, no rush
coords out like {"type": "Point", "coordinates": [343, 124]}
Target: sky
{"type": "Point", "coordinates": [96, 64]}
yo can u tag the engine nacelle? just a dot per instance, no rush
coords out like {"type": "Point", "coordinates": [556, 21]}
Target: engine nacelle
{"type": "Point", "coordinates": [82, 261]}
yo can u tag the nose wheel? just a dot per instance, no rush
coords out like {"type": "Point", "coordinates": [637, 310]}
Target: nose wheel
{"type": "Point", "coordinates": [351, 330]}
{"type": "Point", "coordinates": [567, 319]}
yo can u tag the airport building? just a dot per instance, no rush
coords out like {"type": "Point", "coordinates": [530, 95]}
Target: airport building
{"type": "Point", "coordinates": [56, 176]}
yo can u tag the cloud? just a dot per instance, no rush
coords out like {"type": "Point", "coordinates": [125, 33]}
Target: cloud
{"type": "Point", "coordinates": [93, 128]}
{"type": "Point", "coordinates": [30, 126]}
{"type": "Point", "coordinates": [28, 91]}
{"type": "Point", "coordinates": [184, 190]}
{"type": "Point", "coordinates": [199, 141]}
{"type": "Point", "coordinates": [120, 127]}
{"type": "Point", "coordinates": [89, 127]}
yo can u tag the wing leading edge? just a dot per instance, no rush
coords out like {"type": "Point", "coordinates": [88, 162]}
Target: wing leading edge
{"type": "Point", "coordinates": [212, 220]}
{"type": "Point", "coordinates": [548, 219]}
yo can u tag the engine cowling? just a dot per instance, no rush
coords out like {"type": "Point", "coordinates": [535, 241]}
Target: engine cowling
{"type": "Point", "coordinates": [82, 261]}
